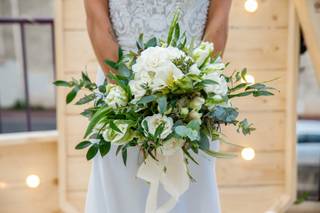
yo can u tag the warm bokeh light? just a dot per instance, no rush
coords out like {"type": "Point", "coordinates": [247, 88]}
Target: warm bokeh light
{"type": "Point", "coordinates": [251, 6]}
{"type": "Point", "coordinates": [3, 185]}
{"type": "Point", "coordinates": [33, 181]}
{"type": "Point", "coordinates": [248, 153]}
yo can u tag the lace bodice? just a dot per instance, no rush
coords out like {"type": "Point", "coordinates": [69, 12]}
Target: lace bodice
{"type": "Point", "coordinates": [153, 17]}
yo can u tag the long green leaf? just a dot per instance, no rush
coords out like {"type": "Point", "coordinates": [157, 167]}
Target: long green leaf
{"type": "Point", "coordinates": [216, 154]}
{"type": "Point", "coordinates": [92, 151]}
{"type": "Point", "coordinates": [104, 148]}
{"type": "Point", "coordinates": [72, 94]}
{"type": "Point", "coordinates": [83, 144]}
{"type": "Point", "coordinates": [95, 119]}
{"type": "Point", "coordinates": [86, 99]}
{"type": "Point", "coordinates": [61, 83]}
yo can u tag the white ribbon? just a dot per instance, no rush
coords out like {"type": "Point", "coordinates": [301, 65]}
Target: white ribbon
{"type": "Point", "coordinates": [171, 172]}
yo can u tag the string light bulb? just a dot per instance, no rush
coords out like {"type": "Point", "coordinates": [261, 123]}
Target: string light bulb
{"type": "Point", "coordinates": [3, 185]}
{"type": "Point", "coordinates": [248, 153]}
{"type": "Point", "coordinates": [251, 6]}
{"type": "Point", "coordinates": [33, 181]}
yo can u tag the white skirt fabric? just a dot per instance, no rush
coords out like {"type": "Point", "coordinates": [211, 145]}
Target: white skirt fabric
{"type": "Point", "coordinates": [114, 187]}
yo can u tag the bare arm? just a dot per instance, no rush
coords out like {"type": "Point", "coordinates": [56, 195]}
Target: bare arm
{"type": "Point", "coordinates": [217, 24]}
{"type": "Point", "coordinates": [100, 31]}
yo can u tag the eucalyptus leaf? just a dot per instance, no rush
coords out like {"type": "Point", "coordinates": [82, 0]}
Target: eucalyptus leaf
{"type": "Point", "coordinates": [147, 99]}
{"type": "Point", "coordinates": [162, 103]}
{"type": "Point", "coordinates": [224, 114]}
{"type": "Point", "coordinates": [184, 131]}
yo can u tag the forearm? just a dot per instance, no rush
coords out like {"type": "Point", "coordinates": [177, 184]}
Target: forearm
{"type": "Point", "coordinates": [216, 30]}
{"type": "Point", "coordinates": [100, 32]}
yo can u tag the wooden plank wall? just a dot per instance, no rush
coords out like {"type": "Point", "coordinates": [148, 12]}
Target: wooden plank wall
{"type": "Point", "coordinates": [17, 161]}
{"type": "Point", "coordinates": [258, 41]}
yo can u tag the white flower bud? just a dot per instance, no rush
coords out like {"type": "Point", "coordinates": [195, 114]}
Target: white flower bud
{"type": "Point", "coordinates": [116, 96]}
{"type": "Point", "coordinates": [196, 103]}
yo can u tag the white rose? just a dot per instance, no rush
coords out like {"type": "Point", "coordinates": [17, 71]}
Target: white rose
{"type": "Point", "coordinates": [221, 88]}
{"type": "Point", "coordinates": [155, 120]}
{"type": "Point", "coordinates": [201, 53]}
{"type": "Point", "coordinates": [196, 103]}
{"type": "Point", "coordinates": [175, 53]}
{"type": "Point", "coordinates": [165, 76]}
{"type": "Point", "coordinates": [113, 136]}
{"type": "Point", "coordinates": [194, 69]}
{"type": "Point", "coordinates": [116, 97]}
{"type": "Point", "coordinates": [151, 59]}
{"type": "Point", "coordinates": [155, 67]}
{"type": "Point", "coordinates": [137, 90]}
{"type": "Point", "coordinates": [171, 145]}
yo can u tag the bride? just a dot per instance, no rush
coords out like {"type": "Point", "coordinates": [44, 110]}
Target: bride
{"type": "Point", "coordinates": [113, 187]}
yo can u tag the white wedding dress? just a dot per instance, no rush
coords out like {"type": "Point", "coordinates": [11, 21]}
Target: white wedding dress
{"type": "Point", "coordinates": [114, 187]}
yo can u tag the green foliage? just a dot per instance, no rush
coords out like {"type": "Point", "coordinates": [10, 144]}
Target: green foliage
{"type": "Point", "coordinates": [245, 127]}
{"type": "Point", "coordinates": [93, 150]}
{"type": "Point", "coordinates": [162, 103]}
{"type": "Point", "coordinates": [104, 147]}
{"type": "Point", "coordinates": [101, 113]}
{"type": "Point", "coordinates": [224, 114]}
{"type": "Point", "coordinates": [83, 145]}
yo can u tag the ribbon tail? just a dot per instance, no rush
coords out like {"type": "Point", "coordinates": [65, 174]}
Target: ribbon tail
{"type": "Point", "coordinates": [151, 204]}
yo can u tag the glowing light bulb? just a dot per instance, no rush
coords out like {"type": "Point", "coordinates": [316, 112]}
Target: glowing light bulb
{"type": "Point", "coordinates": [3, 185]}
{"type": "Point", "coordinates": [248, 153]}
{"type": "Point", "coordinates": [33, 181]}
{"type": "Point", "coordinates": [251, 6]}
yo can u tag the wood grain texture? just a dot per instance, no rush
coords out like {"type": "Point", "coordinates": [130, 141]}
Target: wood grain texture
{"type": "Point", "coordinates": [17, 161]}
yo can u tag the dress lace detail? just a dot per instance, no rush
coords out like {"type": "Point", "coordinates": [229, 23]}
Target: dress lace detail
{"type": "Point", "coordinates": [131, 17]}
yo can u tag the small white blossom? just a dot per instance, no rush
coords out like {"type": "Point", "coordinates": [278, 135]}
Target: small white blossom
{"type": "Point", "coordinates": [114, 136]}
{"type": "Point", "coordinates": [221, 88]}
{"type": "Point", "coordinates": [116, 96]}
{"type": "Point", "coordinates": [194, 69]}
{"type": "Point", "coordinates": [155, 120]}
{"type": "Point", "coordinates": [194, 115]}
{"type": "Point", "coordinates": [201, 53]}
{"type": "Point", "coordinates": [196, 103]}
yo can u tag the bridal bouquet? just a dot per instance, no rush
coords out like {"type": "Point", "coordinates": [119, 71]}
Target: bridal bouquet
{"type": "Point", "coordinates": [168, 100]}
